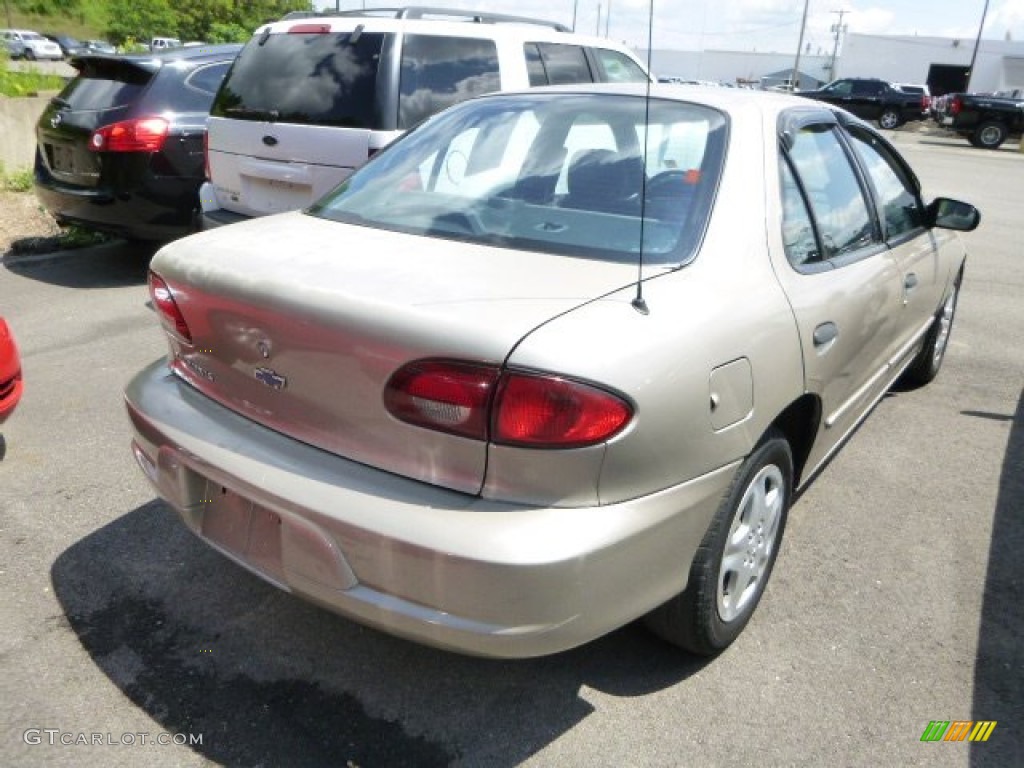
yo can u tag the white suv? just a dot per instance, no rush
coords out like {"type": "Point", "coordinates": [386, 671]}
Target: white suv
{"type": "Point", "coordinates": [31, 45]}
{"type": "Point", "coordinates": [308, 100]}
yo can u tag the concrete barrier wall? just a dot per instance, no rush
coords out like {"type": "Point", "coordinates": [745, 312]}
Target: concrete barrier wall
{"type": "Point", "coordinates": [18, 130]}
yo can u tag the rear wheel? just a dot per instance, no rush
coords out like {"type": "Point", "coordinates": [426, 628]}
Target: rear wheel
{"type": "Point", "coordinates": [734, 561]}
{"type": "Point", "coordinates": [889, 119]}
{"type": "Point", "coordinates": [989, 135]}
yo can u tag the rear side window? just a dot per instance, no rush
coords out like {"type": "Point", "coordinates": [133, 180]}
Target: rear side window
{"type": "Point", "coordinates": [557, 64]}
{"type": "Point", "coordinates": [619, 68]}
{"type": "Point", "coordinates": [181, 91]}
{"type": "Point", "coordinates": [105, 85]}
{"type": "Point", "coordinates": [438, 72]}
{"type": "Point", "coordinates": [316, 79]}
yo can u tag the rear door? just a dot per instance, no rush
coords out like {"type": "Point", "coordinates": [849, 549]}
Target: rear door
{"type": "Point", "coordinates": [104, 92]}
{"type": "Point", "coordinates": [843, 283]}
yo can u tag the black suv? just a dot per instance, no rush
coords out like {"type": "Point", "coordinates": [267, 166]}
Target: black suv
{"type": "Point", "coordinates": [872, 99]}
{"type": "Point", "coordinates": [120, 150]}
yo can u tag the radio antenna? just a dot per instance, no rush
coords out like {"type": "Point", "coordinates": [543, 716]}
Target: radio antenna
{"type": "Point", "coordinates": [638, 301]}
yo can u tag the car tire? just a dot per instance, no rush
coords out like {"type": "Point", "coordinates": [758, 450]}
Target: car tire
{"type": "Point", "coordinates": [30, 54]}
{"type": "Point", "coordinates": [890, 119]}
{"type": "Point", "coordinates": [928, 361]}
{"type": "Point", "coordinates": [734, 561]}
{"type": "Point", "coordinates": [989, 135]}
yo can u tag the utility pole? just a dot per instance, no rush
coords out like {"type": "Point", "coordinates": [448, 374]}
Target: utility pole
{"type": "Point", "coordinates": [575, 6]}
{"type": "Point", "coordinates": [838, 29]}
{"type": "Point", "coordinates": [794, 81]}
{"type": "Point", "coordinates": [598, 30]}
{"type": "Point", "coordinates": [977, 42]}
{"type": "Point", "coordinates": [607, 18]}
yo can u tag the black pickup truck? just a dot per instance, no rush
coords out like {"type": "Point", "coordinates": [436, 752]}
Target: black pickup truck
{"type": "Point", "coordinates": [872, 99]}
{"type": "Point", "coordinates": [985, 120]}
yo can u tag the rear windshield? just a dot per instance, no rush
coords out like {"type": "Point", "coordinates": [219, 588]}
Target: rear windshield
{"type": "Point", "coordinates": [591, 175]}
{"type": "Point", "coordinates": [103, 85]}
{"type": "Point", "coordinates": [318, 79]}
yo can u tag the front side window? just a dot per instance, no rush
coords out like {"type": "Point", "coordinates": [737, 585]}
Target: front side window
{"type": "Point", "coordinates": [314, 79]}
{"type": "Point", "coordinates": [438, 72]}
{"type": "Point", "coordinates": [840, 88]}
{"type": "Point", "coordinates": [835, 194]}
{"type": "Point", "coordinates": [902, 211]}
{"type": "Point", "coordinates": [562, 174]}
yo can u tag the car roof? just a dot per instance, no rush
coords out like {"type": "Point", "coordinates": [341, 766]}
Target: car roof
{"type": "Point", "coordinates": [539, 30]}
{"type": "Point", "coordinates": [724, 99]}
{"type": "Point", "coordinates": [156, 60]}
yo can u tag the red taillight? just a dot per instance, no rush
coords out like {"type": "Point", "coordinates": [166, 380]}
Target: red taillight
{"type": "Point", "coordinates": [142, 135]}
{"type": "Point", "coordinates": [954, 106]}
{"type": "Point", "coordinates": [512, 408]}
{"type": "Point", "coordinates": [165, 304]}
{"type": "Point", "coordinates": [309, 29]}
{"type": "Point", "coordinates": [546, 411]}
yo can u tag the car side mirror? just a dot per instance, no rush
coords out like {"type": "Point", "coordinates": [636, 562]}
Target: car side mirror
{"type": "Point", "coordinates": [947, 213]}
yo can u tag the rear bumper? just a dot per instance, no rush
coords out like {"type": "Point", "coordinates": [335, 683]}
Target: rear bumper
{"type": "Point", "coordinates": [144, 207]}
{"type": "Point", "coordinates": [211, 215]}
{"type": "Point", "coordinates": [439, 567]}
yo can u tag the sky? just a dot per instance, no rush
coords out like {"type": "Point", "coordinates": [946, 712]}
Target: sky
{"type": "Point", "coordinates": [752, 25]}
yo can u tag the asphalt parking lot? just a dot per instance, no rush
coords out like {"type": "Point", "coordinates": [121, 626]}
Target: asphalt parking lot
{"type": "Point", "coordinates": [897, 599]}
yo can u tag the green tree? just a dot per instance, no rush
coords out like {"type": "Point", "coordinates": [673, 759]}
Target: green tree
{"type": "Point", "coordinates": [210, 20]}
{"type": "Point", "coordinates": [140, 19]}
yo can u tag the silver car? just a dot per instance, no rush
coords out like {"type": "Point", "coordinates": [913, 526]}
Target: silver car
{"type": "Point", "coordinates": [553, 361]}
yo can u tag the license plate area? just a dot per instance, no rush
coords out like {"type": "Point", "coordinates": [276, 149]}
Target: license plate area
{"type": "Point", "coordinates": [62, 158]}
{"type": "Point", "coordinates": [246, 530]}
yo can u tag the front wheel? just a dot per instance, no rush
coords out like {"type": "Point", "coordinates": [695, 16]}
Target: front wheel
{"type": "Point", "coordinates": [30, 54]}
{"type": "Point", "coordinates": [889, 119]}
{"type": "Point", "coordinates": [731, 567]}
{"type": "Point", "coordinates": [926, 365]}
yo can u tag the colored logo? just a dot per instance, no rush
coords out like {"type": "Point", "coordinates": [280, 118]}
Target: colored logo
{"type": "Point", "coordinates": [958, 730]}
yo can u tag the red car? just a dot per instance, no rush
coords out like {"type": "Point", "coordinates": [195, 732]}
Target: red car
{"type": "Point", "coordinates": [10, 372]}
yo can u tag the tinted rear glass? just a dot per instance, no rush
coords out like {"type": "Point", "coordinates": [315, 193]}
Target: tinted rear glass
{"type": "Point", "coordinates": [318, 79]}
{"type": "Point", "coordinates": [105, 85]}
{"type": "Point", "coordinates": [438, 72]}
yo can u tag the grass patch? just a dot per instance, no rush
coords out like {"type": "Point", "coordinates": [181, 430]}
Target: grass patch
{"type": "Point", "coordinates": [16, 181]}
{"type": "Point", "coordinates": [27, 83]}
{"type": "Point", "coordinates": [73, 236]}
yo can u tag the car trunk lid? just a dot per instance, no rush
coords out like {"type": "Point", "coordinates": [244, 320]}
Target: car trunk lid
{"type": "Point", "coordinates": [298, 323]}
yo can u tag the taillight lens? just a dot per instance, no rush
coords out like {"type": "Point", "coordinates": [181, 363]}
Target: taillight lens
{"type": "Point", "coordinates": [954, 107]}
{"type": "Point", "coordinates": [515, 408]}
{"type": "Point", "coordinates": [543, 411]}
{"type": "Point", "coordinates": [449, 396]}
{"type": "Point", "coordinates": [142, 135]}
{"type": "Point", "coordinates": [170, 314]}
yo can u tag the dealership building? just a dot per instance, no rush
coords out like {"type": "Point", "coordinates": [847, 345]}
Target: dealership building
{"type": "Point", "coordinates": [941, 62]}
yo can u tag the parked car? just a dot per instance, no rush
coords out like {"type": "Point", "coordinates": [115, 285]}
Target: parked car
{"type": "Point", "coordinates": [120, 150]}
{"type": "Point", "coordinates": [555, 360]}
{"type": "Point", "coordinates": [69, 46]}
{"type": "Point", "coordinates": [920, 90]}
{"type": "Point", "coordinates": [11, 385]}
{"type": "Point", "coordinates": [872, 99]}
{"type": "Point", "coordinates": [164, 43]}
{"type": "Point", "coordinates": [24, 43]}
{"type": "Point", "coordinates": [309, 101]}
{"type": "Point", "coordinates": [100, 46]}
{"type": "Point", "coordinates": [985, 120]}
